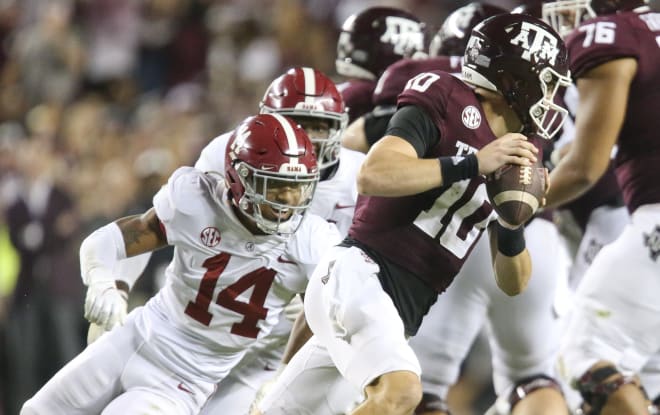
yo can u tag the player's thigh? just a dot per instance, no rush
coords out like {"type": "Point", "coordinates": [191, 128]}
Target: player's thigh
{"type": "Point", "coordinates": [525, 330]}
{"type": "Point", "coordinates": [238, 390]}
{"type": "Point", "coordinates": [146, 402]}
{"type": "Point", "coordinates": [310, 385]}
{"type": "Point", "coordinates": [452, 324]}
{"type": "Point", "coordinates": [617, 315]}
{"type": "Point", "coordinates": [88, 382]}
{"type": "Point", "coordinates": [355, 319]}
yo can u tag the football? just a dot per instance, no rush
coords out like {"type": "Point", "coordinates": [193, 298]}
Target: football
{"type": "Point", "coordinates": [516, 192]}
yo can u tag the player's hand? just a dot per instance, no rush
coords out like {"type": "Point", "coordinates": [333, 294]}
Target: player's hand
{"type": "Point", "coordinates": [511, 148]}
{"type": "Point", "coordinates": [105, 305]}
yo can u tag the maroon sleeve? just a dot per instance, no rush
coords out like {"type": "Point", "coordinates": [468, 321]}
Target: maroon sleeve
{"type": "Point", "coordinates": [600, 40]}
{"type": "Point", "coordinates": [429, 91]}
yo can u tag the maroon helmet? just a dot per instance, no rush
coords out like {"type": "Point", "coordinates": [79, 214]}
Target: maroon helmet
{"type": "Point", "coordinates": [452, 37]}
{"type": "Point", "coordinates": [566, 15]}
{"type": "Point", "coordinates": [526, 61]}
{"type": "Point", "coordinates": [531, 7]}
{"type": "Point", "coordinates": [306, 93]}
{"type": "Point", "coordinates": [263, 154]}
{"type": "Point", "coordinates": [373, 39]}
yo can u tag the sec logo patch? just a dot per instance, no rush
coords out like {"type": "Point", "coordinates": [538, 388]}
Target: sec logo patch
{"type": "Point", "coordinates": [210, 237]}
{"type": "Point", "coordinates": [471, 117]}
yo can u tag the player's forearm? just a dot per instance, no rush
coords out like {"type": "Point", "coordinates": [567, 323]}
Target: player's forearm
{"type": "Point", "coordinates": [398, 175]}
{"type": "Point", "coordinates": [512, 273]}
{"type": "Point", "coordinates": [300, 333]}
{"type": "Point", "coordinates": [100, 253]}
{"type": "Point", "coordinates": [569, 180]}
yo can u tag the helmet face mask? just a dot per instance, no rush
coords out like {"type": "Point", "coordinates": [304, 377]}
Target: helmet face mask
{"type": "Point", "coordinates": [375, 38]}
{"type": "Point", "coordinates": [523, 59]}
{"type": "Point", "coordinates": [566, 15]}
{"type": "Point", "coordinates": [261, 203]}
{"type": "Point", "coordinates": [311, 98]}
{"type": "Point", "coordinates": [271, 172]}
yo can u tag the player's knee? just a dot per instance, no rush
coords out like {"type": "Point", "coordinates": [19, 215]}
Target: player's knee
{"type": "Point", "coordinates": [396, 393]}
{"type": "Point", "coordinates": [603, 385]}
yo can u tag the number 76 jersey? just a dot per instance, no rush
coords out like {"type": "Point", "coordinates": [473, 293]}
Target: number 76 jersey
{"type": "Point", "coordinates": [225, 286]}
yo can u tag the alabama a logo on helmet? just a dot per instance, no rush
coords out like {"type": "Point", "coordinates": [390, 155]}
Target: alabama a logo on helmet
{"type": "Point", "coordinates": [241, 135]}
{"type": "Point", "coordinates": [404, 34]}
{"type": "Point", "coordinates": [537, 42]}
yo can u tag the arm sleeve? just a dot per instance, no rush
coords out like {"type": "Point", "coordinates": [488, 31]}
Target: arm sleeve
{"type": "Point", "coordinates": [415, 126]}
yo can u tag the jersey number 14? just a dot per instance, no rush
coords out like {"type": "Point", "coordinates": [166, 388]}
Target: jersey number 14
{"type": "Point", "coordinates": [253, 311]}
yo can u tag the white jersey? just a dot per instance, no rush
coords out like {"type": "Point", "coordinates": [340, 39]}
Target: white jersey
{"type": "Point", "coordinates": [226, 287]}
{"type": "Point", "coordinates": [334, 199]}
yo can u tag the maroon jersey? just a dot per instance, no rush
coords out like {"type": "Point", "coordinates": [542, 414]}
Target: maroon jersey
{"type": "Point", "coordinates": [431, 234]}
{"type": "Point", "coordinates": [394, 79]}
{"type": "Point", "coordinates": [357, 97]}
{"type": "Point", "coordinates": [637, 35]}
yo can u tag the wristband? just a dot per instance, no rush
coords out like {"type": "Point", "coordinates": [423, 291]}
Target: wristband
{"type": "Point", "coordinates": [454, 169]}
{"type": "Point", "coordinates": [510, 242]}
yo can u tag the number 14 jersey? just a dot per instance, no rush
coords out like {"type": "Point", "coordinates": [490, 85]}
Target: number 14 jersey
{"type": "Point", "coordinates": [225, 287]}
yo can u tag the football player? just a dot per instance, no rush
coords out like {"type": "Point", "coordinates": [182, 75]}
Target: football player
{"type": "Point", "coordinates": [421, 210]}
{"type": "Point", "coordinates": [523, 358]}
{"type": "Point", "coordinates": [310, 98]}
{"type": "Point", "coordinates": [369, 42]}
{"type": "Point", "coordinates": [615, 59]}
{"type": "Point", "coordinates": [241, 252]}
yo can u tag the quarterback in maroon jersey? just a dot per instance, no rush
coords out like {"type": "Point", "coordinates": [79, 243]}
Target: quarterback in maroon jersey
{"type": "Point", "coordinates": [422, 207]}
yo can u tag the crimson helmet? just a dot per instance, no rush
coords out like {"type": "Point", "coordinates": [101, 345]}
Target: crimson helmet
{"type": "Point", "coordinates": [265, 153]}
{"type": "Point", "coordinates": [306, 93]}
{"type": "Point", "coordinates": [566, 15]}
{"type": "Point", "coordinates": [526, 61]}
{"type": "Point", "coordinates": [375, 38]}
{"type": "Point", "coordinates": [452, 37]}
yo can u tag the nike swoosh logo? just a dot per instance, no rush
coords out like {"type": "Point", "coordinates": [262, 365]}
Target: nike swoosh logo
{"type": "Point", "coordinates": [183, 387]}
{"type": "Point", "coordinates": [284, 260]}
{"type": "Point", "coordinates": [340, 206]}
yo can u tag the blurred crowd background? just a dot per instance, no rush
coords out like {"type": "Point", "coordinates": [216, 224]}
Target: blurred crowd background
{"type": "Point", "coordinates": [100, 100]}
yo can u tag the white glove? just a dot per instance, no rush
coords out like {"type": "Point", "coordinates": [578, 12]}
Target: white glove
{"type": "Point", "coordinates": [94, 332]}
{"type": "Point", "coordinates": [105, 305]}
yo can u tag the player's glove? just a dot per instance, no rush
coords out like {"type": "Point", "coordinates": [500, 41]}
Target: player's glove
{"type": "Point", "coordinates": [105, 305]}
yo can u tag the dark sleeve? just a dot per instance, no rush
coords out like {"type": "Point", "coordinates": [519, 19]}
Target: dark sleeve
{"type": "Point", "coordinates": [415, 126]}
{"type": "Point", "coordinates": [376, 121]}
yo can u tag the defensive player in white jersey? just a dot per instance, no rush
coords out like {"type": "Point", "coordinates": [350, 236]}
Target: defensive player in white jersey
{"type": "Point", "coordinates": [311, 99]}
{"type": "Point", "coordinates": [243, 248]}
